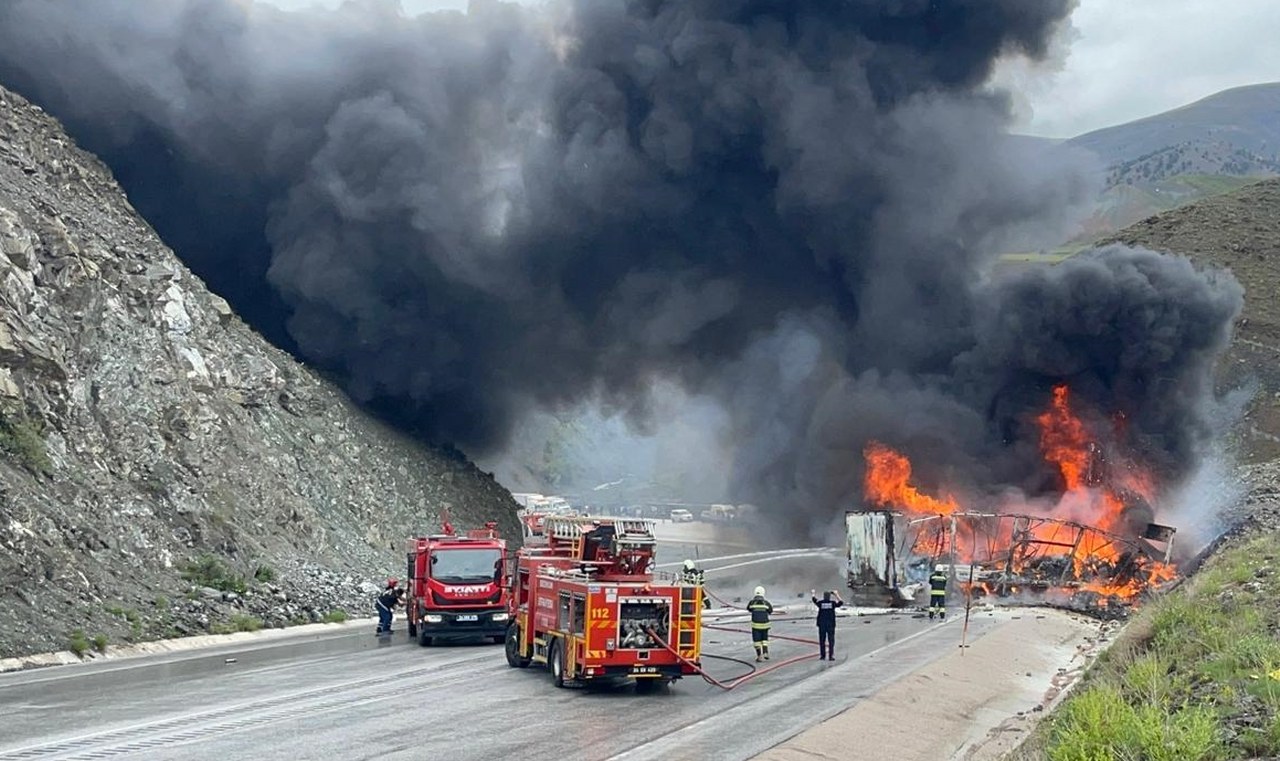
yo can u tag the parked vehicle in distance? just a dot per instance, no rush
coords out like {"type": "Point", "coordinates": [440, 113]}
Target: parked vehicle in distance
{"type": "Point", "coordinates": [680, 515]}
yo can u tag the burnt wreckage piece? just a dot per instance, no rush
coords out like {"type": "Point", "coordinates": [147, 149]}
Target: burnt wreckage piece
{"type": "Point", "coordinates": [1016, 557]}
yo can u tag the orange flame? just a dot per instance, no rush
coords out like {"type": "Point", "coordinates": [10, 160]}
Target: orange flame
{"type": "Point", "coordinates": [1063, 440]}
{"type": "Point", "coordinates": [1090, 497]}
{"type": "Point", "coordinates": [888, 483]}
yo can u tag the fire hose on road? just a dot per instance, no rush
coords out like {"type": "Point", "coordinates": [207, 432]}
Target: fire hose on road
{"type": "Point", "coordinates": [737, 681]}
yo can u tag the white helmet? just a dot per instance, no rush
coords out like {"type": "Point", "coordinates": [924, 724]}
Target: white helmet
{"type": "Point", "coordinates": [688, 565]}
{"type": "Point", "coordinates": [759, 591]}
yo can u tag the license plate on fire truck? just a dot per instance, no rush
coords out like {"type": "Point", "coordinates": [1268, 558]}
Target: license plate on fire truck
{"type": "Point", "coordinates": [467, 618]}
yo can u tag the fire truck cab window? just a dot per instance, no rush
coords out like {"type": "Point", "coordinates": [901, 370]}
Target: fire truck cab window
{"type": "Point", "coordinates": [562, 621]}
{"type": "Point", "coordinates": [579, 615]}
{"type": "Point", "coordinates": [465, 566]}
{"type": "Point", "coordinates": [637, 619]}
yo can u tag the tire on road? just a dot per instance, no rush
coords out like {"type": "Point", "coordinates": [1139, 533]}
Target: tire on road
{"type": "Point", "coordinates": [514, 659]}
{"type": "Point", "coordinates": [423, 639]}
{"type": "Point", "coordinates": [555, 662]}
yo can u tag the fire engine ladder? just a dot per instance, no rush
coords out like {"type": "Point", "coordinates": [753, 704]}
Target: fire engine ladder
{"type": "Point", "coordinates": [630, 532]}
{"type": "Point", "coordinates": [689, 621]}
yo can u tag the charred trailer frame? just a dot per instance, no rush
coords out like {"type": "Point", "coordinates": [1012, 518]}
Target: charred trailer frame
{"type": "Point", "coordinates": [890, 555]}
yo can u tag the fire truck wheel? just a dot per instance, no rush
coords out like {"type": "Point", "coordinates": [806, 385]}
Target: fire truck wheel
{"type": "Point", "coordinates": [413, 629]}
{"type": "Point", "coordinates": [555, 663]}
{"type": "Point", "coordinates": [423, 639]}
{"type": "Point", "coordinates": [514, 659]}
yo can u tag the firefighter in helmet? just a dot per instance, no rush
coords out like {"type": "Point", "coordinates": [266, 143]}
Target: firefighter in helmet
{"type": "Point", "coordinates": [760, 609]}
{"type": "Point", "coordinates": [693, 575]}
{"type": "Point", "coordinates": [938, 593]}
{"type": "Point", "coordinates": [387, 601]}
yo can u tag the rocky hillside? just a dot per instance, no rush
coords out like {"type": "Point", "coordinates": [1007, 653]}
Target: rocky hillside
{"type": "Point", "coordinates": [163, 469]}
{"type": "Point", "coordinates": [1239, 230]}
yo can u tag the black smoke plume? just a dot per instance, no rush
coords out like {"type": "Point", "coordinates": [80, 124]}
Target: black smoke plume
{"type": "Point", "coordinates": [788, 205]}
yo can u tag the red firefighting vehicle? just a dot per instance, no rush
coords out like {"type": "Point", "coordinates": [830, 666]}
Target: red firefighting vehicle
{"type": "Point", "coordinates": [458, 585]}
{"type": "Point", "coordinates": [587, 605]}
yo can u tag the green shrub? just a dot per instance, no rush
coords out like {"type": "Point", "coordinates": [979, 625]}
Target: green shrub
{"type": "Point", "coordinates": [22, 438]}
{"type": "Point", "coordinates": [100, 642]}
{"type": "Point", "coordinates": [128, 614]}
{"type": "Point", "coordinates": [335, 616]}
{"type": "Point", "coordinates": [1088, 725]}
{"type": "Point", "coordinates": [77, 643]}
{"type": "Point", "coordinates": [1099, 725]}
{"type": "Point", "coordinates": [245, 623]}
{"type": "Point", "coordinates": [210, 571]}
{"type": "Point", "coordinates": [265, 574]}
{"type": "Point", "coordinates": [240, 622]}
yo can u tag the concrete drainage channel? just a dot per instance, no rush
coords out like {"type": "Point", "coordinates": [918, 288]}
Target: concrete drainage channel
{"type": "Point", "coordinates": [170, 732]}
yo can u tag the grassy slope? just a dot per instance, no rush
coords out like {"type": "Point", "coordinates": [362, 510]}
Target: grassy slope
{"type": "Point", "coordinates": [1122, 205]}
{"type": "Point", "coordinates": [1197, 675]}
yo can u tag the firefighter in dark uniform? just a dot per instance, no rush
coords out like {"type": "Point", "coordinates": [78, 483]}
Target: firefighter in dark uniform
{"type": "Point", "coordinates": [827, 623]}
{"type": "Point", "coordinates": [386, 603]}
{"type": "Point", "coordinates": [938, 593]}
{"type": "Point", "coordinates": [760, 609]}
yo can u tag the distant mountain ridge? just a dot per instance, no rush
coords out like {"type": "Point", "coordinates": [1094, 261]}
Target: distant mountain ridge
{"type": "Point", "coordinates": [1245, 119]}
{"type": "Point", "coordinates": [1215, 145]}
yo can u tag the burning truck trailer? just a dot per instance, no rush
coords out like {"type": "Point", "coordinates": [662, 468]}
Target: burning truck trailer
{"type": "Point", "coordinates": [1025, 559]}
{"type": "Point", "coordinates": [1103, 556]}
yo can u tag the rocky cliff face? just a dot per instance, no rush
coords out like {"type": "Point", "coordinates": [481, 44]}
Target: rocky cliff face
{"type": "Point", "coordinates": [148, 435]}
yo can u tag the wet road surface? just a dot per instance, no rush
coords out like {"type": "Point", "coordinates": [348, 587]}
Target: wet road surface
{"type": "Point", "coordinates": [353, 696]}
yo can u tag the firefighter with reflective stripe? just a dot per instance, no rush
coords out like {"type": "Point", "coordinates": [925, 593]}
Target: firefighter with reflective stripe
{"type": "Point", "coordinates": [760, 609]}
{"type": "Point", "coordinates": [693, 575]}
{"type": "Point", "coordinates": [386, 603]}
{"type": "Point", "coordinates": [938, 593]}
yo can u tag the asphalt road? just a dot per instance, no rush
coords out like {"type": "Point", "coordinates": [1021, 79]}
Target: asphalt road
{"type": "Point", "coordinates": [352, 696]}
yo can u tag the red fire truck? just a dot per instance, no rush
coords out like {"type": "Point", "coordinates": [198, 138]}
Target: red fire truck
{"type": "Point", "coordinates": [458, 586]}
{"type": "Point", "coordinates": [587, 605]}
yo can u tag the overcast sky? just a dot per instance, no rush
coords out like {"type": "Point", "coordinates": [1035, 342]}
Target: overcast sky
{"type": "Point", "coordinates": [1123, 60]}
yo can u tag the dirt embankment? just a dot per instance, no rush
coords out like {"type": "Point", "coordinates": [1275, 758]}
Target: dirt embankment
{"type": "Point", "coordinates": [1240, 231]}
